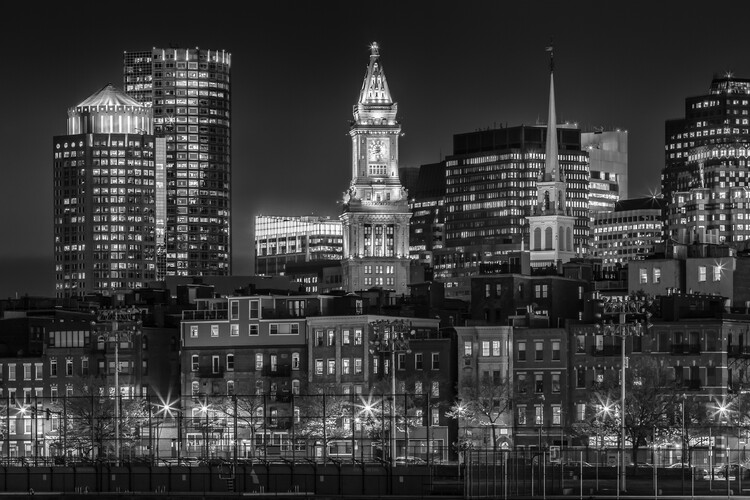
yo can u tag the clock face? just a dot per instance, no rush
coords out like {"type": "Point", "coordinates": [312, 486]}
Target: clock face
{"type": "Point", "coordinates": [377, 150]}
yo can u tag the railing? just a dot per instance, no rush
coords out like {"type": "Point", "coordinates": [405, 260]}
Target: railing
{"type": "Point", "coordinates": [681, 349]}
{"type": "Point", "coordinates": [205, 315]}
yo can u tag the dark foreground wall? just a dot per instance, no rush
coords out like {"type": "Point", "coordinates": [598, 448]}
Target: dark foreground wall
{"type": "Point", "coordinates": [298, 480]}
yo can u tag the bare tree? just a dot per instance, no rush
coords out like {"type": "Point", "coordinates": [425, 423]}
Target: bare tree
{"type": "Point", "coordinates": [486, 402]}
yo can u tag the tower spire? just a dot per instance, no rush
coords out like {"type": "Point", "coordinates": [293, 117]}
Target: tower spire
{"type": "Point", "coordinates": [552, 167]}
{"type": "Point", "coordinates": [375, 87]}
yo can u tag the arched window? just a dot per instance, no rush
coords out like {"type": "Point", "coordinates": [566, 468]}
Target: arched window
{"type": "Point", "coordinates": [537, 244]}
{"type": "Point", "coordinates": [548, 238]}
{"type": "Point", "coordinates": [561, 239]}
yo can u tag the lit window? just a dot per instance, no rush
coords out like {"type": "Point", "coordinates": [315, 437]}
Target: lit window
{"type": "Point", "coordinates": [234, 330]}
{"type": "Point", "coordinates": [701, 273]}
{"type": "Point", "coordinates": [717, 273]}
{"type": "Point", "coordinates": [193, 331]}
{"type": "Point", "coordinates": [194, 363]}
{"type": "Point", "coordinates": [214, 330]}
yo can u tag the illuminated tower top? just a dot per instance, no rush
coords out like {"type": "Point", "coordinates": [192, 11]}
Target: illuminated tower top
{"type": "Point", "coordinates": [552, 166]}
{"type": "Point", "coordinates": [375, 87]}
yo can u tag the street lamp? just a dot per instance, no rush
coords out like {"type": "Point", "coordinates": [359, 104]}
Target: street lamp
{"type": "Point", "coordinates": [391, 337]}
{"type": "Point", "coordinates": [623, 329]}
{"type": "Point", "coordinates": [115, 325]}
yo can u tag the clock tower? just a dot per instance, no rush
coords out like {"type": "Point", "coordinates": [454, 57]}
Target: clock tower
{"type": "Point", "coordinates": [376, 213]}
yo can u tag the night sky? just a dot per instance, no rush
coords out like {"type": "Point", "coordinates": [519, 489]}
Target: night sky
{"type": "Point", "coordinates": [297, 68]}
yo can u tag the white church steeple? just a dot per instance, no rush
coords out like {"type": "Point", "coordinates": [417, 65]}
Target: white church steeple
{"type": "Point", "coordinates": [551, 222]}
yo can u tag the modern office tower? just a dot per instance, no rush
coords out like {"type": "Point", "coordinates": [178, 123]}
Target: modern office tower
{"type": "Point", "coordinates": [719, 117]}
{"type": "Point", "coordinates": [280, 240]}
{"type": "Point", "coordinates": [551, 220]}
{"type": "Point", "coordinates": [189, 92]}
{"type": "Point", "coordinates": [717, 208]}
{"type": "Point", "coordinates": [427, 204]}
{"type": "Point", "coordinates": [376, 214]}
{"type": "Point", "coordinates": [105, 196]}
{"type": "Point", "coordinates": [608, 167]}
{"type": "Point", "coordinates": [632, 231]}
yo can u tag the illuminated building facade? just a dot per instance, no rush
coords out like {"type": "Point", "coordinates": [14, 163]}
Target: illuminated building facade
{"type": "Point", "coordinates": [720, 117]}
{"type": "Point", "coordinates": [105, 196]}
{"type": "Point", "coordinates": [716, 209]}
{"type": "Point", "coordinates": [280, 240]}
{"type": "Point", "coordinates": [376, 214]}
{"type": "Point", "coordinates": [632, 231]}
{"type": "Point", "coordinates": [427, 204]}
{"type": "Point", "coordinates": [608, 167]}
{"type": "Point", "coordinates": [189, 93]}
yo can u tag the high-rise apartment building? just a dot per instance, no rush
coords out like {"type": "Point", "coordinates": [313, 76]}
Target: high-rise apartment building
{"type": "Point", "coordinates": [608, 167]}
{"type": "Point", "coordinates": [190, 96]}
{"type": "Point", "coordinates": [376, 214]}
{"type": "Point", "coordinates": [105, 196]}
{"type": "Point", "coordinates": [280, 240]}
{"type": "Point", "coordinates": [720, 117]}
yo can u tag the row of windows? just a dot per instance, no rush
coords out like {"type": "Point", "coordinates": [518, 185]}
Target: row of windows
{"type": "Point", "coordinates": [273, 360]}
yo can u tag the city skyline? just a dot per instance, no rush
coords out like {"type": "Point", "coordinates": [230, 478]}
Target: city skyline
{"type": "Point", "coordinates": [297, 70]}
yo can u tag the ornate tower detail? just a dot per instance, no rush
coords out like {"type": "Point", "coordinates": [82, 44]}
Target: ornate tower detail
{"type": "Point", "coordinates": [551, 222]}
{"type": "Point", "coordinates": [376, 214]}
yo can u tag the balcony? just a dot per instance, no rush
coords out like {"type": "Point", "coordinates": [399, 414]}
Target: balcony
{"type": "Point", "coordinates": [682, 349]}
{"type": "Point", "coordinates": [607, 350]}
{"type": "Point", "coordinates": [205, 315]}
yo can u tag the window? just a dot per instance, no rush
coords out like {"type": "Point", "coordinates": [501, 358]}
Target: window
{"type": "Point", "coordinates": [701, 273]}
{"type": "Point", "coordinates": [436, 389]}
{"type": "Point", "coordinates": [375, 365]}
{"type": "Point", "coordinates": [234, 330]}
{"type": "Point", "coordinates": [194, 363]}
{"type": "Point", "coordinates": [538, 383]}
{"type": "Point", "coordinates": [418, 387]}
{"type": "Point", "coordinates": [357, 366]}
{"type": "Point", "coordinates": [643, 276]}
{"type": "Point", "coordinates": [193, 331]}
{"type": "Point", "coordinates": [234, 309]}
{"type": "Point", "coordinates": [539, 351]}
{"type": "Point", "coordinates": [467, 349]}
{"type": "Point", "coordinates": [521, 383]}
{"type": "Point", "coordinates": [556, 350]}
{"type": "Point", "coordinates": [53, 394]}
{"type": "Point", "coordinates": [435, 416]}
{"type": "Point", "coordinates": [556, 415]}
{"type": "Point", "coordinates": [487, 288]}
{"type": "Point", "coordinates": [555, 382]}
{"type": "Point", "coordinates": [496, 348]}
{"type": "Point", "coordinates": [401, 361]}
{"type": "Point", "coordinates": [195, 388]}
{"type": "Point", "coordinates": [345, 337]}
{"type": "Point", "coordinates": [230, 362]}
{"type": "Point", "coordinates": [522, 351]}
{"type": "Point", "coordinates": [580, 377]}
{"type": "Point", "coordinates": [214, 330]}
{"type": "Point", "coordinates": [53, 368]}
{"type": "Point", "coordinates": [486, 348]}
{"type": "Point", "coordinates": [657, 275]}
{"type": "Point", "coordinates": [358, 337]}
{"type": "Point", "coordinates": [435, 360]}
{"type": "Point", "coordinates": [295, 361]}
{"type": "Point", "coordinates": [521, 415]}
{"type": "Point", "coordinates": [254, 307]}
{"type": "Point", "coordinates": [215, 366]}
{"type": "Point", "coordinates": [295, 387]}
{"type": "Point", "coordinates": [498, 289]}
{"type": "Point", "coordinates": [331, 367]}
{"type": "Point", "coordinates": [345, 366]}
{"type": "Point", "coordinates": [68, 368]}
{"type": "Point", "coordinates": [230, 387]}
{"type": "Point", "coordinates": [253, 329]}
{"type": "Point", "coordinates": [318, 367]}
{"type": "Point", "coordinates": [331, 337]}
{"type": "Point", "coordinates": [540, 291]}
{"type": "Point", "coordinates": [318, 337]}
{"type": "Point", "coordinates": [258, 361]}
{"type": "Point", "coordinates": [418, 360]}
{"type": "Point", "coordinates": [580, 343]}
{"type": "Point", "coordinates": [716, 273]}
{"type": "Point", "coordinates": [538, 415]}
